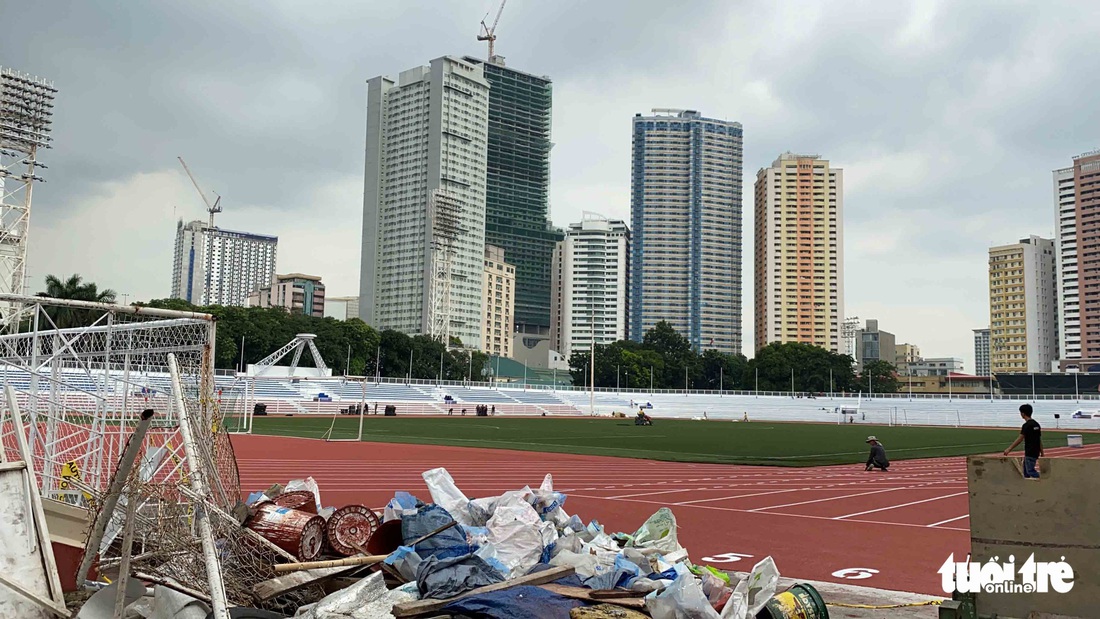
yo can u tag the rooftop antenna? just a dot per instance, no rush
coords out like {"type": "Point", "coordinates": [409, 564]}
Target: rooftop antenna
{"type": "Point", "coordinates": [216, 207]}
{"type": "Point", "coordinates": [489, 33]}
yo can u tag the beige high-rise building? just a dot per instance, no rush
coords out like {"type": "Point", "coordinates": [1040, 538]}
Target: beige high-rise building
{"type": "Point", "coordinates": [1023, 306]}
{"type": "Point", "coordinates": [499, 303]}
{"type": "Point", "coordinates": [799, 257]}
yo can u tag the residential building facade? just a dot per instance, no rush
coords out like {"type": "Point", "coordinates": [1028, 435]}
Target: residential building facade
{"type": "Point", "coordinates": [981, 352]}
{"type": "Point", "coordinates": [213, 266]}
{"type": "Point", "coordinates": [874, 344]}
{"type": "Point", "coordinates": [904, 354]}
{"type": "Point", "coordinates": [685, 209]}
{"type": "Point", "coordinates": [1023, 316]}
{"type": "Point", "coordinates": [424, 201]}
{"type": "Point", "coordinates": [517, 192]}
{"type": "Point", "coordinates": [296, 292]}
{"type": "Point", "coordinates": [1077, 204]}
{"type": "Point", "coordinates": [799, 252]}
{"type": "Point", "coordinates": [499, 288]}
{"type": "Point", "coordinates": [592, 283]}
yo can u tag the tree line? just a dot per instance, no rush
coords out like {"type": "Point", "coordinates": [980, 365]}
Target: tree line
{"type": "Point", "coordinates": [664, 359]}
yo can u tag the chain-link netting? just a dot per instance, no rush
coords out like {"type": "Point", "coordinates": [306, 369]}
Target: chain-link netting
{"type": "Point", "coordinates": [81, 391]}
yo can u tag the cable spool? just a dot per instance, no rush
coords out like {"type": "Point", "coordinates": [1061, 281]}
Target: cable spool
{"type": "Point", "coordinates": [302, 500]}
{"type": "Point", "coordinates": [350, 528]}
{"type": "Point", "coordinates": [300, 533]}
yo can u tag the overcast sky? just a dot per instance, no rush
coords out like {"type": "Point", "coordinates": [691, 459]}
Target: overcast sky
{"type": "Point", "coordinates": [947, 119]}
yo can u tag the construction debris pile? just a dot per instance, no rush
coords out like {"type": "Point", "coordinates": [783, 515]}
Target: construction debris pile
{"type": "Point", "coordinates": [519, 554]}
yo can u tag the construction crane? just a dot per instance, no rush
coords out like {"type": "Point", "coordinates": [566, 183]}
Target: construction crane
{"type": "Point", "coordinates": [216, 207]}
{"type": "Point", "coordinates": [490, 33]}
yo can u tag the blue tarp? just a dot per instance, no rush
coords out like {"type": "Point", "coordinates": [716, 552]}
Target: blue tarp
{"type": "Point", "coordinates": [523, 601]}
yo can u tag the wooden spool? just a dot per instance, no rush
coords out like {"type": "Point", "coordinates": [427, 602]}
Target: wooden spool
{"type": "Point", "coordinates": [302, 500]}
{"type": "Point", "coordinates": [350, 528]}
{"type": "Point", "coordinates": [300, 533]}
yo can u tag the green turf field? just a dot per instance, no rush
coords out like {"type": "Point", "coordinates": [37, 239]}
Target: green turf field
{"type": "Point", "coordinates": [784, 444]}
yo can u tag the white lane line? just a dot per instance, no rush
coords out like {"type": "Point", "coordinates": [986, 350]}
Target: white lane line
{"type": "Point", "coordinates": [746, 511]}
{"type": "Point", "coordinates": [936, 524]}
{"type": "Point", "coordinates": [740, 496]}
{"type": "Point", "coordinates": [833, 498]}
{"type": "Point", "coordinates": [882, 509]}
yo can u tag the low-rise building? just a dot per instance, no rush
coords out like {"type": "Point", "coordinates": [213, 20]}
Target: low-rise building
{"type": "Point", "coordinates": [951, 383]}
{"type": "Point", "coordinates": [941, 366]}
{"type": "Point", "coordinates": [296, 292]}
{"type": "Point", "coordinates": [342, 308]}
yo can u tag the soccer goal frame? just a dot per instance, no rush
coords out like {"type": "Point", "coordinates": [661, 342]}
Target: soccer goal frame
{"type": "Point", "coordinates": [328, 438]}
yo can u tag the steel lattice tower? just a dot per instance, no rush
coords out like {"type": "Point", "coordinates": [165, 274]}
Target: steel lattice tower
{"type": "Point", "coordinates": [26, 108]}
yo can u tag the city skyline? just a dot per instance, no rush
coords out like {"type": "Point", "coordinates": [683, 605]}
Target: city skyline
{"type": "Point", "coordinates": [925, 200]}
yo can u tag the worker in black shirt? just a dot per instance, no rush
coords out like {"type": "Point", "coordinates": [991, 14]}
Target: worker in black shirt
{"type": "Point", "coordinates": [877, 459]}
{"type": "Point", "coordinates": [1032, 436]}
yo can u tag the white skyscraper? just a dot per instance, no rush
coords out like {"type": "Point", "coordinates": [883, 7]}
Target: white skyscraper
{"type": "Point", "coordinates": [213, 266]}
{"type": "Point", "coordinates": [424, 201]}
{"type": "Point", "coordinates": [591, 284]}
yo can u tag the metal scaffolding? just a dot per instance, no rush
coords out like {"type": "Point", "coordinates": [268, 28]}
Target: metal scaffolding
{"type": "Point", "coordinates": [444, 211]}
{"type": "Point", "coordinates": [26, 107]}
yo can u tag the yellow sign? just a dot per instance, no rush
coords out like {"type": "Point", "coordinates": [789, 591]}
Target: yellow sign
{"type": "Point", "coordinates": [71, 470]}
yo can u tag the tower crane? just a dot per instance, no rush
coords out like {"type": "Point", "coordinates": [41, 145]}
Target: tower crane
{"type": "Point", "coordinates": [216, 207]}
{"type": "Point", "coordinates": [490, 33]}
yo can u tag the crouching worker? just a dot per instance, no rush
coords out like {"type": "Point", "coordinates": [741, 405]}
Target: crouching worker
{"type": "Point", "coordinates": [877, 459]}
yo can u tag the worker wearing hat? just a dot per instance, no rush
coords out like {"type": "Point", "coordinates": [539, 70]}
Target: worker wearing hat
{"type": "Point", "coordinates": [877, 459]}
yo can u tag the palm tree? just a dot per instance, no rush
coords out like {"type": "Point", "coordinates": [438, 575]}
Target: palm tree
{"type": "Point", "coordinates": [75, 289]}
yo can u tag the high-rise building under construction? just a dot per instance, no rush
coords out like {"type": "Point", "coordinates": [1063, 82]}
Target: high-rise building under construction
{"type": "Point", "coordinates": [517, 194]}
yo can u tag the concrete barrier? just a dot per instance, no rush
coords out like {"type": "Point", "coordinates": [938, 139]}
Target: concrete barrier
{"type": "Point", "coordinates": [1052, 518]}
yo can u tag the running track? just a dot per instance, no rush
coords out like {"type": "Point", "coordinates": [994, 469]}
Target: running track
{"type": "Point", "coordinates": [814, 521]}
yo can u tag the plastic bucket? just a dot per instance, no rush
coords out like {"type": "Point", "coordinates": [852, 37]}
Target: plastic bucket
{"type": "Point", "coordinates": [1074, 440]}
{"type": "Point", "coordinates": [801, 601]}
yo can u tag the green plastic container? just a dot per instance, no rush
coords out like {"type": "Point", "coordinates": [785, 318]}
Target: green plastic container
{"type": "Point", "coordinates": [801, 601]}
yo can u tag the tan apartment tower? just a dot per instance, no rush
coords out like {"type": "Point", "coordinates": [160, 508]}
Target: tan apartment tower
{"type": "Point", "coordinates": [499, 303]}
{"type": "Point", "coordinates": [1077, 206]}
{"type": "Point", "coordinates": [799, 254]}
{"type": "Point", "coordinates": [1023, 302]}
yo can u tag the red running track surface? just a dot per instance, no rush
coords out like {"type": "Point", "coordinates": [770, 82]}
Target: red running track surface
{"type": "Point", "coordinates": [815, 522]}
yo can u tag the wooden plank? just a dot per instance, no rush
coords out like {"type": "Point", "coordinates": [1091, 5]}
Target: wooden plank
{"type": "Point", "coordinates": [296, 580]}
{"type": "Point", "coordinates": [53, 579]}
{"type": "Point", "coordinates": [49, 605]}
{"type": "Point", "coordinates": [423, 607]}
{"type": "Point", "coordinates": [581, 593]}
{"type": "Point", "coordinates": [18, 465]}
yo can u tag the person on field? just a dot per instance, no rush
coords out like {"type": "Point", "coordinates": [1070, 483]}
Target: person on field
{"type": "Point", "coordinates": [1032, 437]}
{"type": "Point", "coordinates": [877, 459]}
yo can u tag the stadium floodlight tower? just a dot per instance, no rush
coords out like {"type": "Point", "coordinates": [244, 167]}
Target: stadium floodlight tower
{"type": "Point", "coordinates": [26, 109]}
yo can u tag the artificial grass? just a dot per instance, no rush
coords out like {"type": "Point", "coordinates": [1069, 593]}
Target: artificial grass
{"type": "Point", "coordinates": [763, 443]}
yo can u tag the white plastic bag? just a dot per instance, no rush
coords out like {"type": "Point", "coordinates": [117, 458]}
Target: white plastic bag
{"type": "Point", "coordinates": [683, 599]}
{"type": "Point", "coordinates": [516, 534]}
{"type": "Point", "coordinates": [447, 495]}
{"type": "Point", "coordinates": [658, 532]}
{"type": "Point", "coordinates": [736, 607]}
{"type": "Point", "coordinates": [759, 586]}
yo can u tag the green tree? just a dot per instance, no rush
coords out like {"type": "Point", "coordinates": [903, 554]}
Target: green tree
{"type": "Point", "coordinates": [675, 349]}
{"type": "Point", "coordinates": [74, 288]}
{"type": "Point", "coordinates": [810, 368]}
{"type": "Point", "coordinates": [721, 371]}
{"type": "Point", "coordinates": [879, 376]}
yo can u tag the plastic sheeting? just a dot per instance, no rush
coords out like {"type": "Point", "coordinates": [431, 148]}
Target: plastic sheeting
{"type": "Point", "coordinates": [443, 578]}
{"type": "Point", "coordinates": [366, 599]}
{"type": "Point", "coordinates": [523, 601]}
{"type": "Point", "coordinates": [449, 543]}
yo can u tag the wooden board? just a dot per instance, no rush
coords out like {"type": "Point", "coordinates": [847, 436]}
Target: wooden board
{"type": "Point", "coordinates": [296, 580]}
{"type": "Point", "coordinates": [423, 607]}
{"type": "Point", "coordinates": [581, 593]}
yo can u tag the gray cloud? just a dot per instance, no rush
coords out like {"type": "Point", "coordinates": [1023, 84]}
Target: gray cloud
{"type": "Point", "coordinates": [947, 117]}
